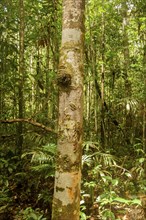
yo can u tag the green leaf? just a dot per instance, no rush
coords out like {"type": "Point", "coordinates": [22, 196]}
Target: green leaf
{"type": "Point", "coordinates": [82, 216]}
{"type": "Point", "coordinates": [141, 160]}
{"type": "Point", "coordinates": [2, 208]}
{"type": "Point", "coordinates": [115, 182]}
{"type": "Point", "coordinates": [121, 200]}
{"type": "Point", "coordinates": [136, 202]}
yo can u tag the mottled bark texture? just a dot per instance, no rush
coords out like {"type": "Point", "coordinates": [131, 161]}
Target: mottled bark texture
{"type": "Point", "coordinates": [66, 201]}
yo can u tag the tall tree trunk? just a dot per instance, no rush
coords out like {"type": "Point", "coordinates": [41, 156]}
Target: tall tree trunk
{"type": "Point", "coordinates": [144, 105]}
{"type": "Point", "coordinates": [21, 76]}
{"type": "Point", "coordinates": [102, 81]}
{"type": "Point", "coordinates": [126, 63]}
{"type": "Point", "coordinates": [47, 91]}
{"type": "Point", "coordinates": [66, 201]}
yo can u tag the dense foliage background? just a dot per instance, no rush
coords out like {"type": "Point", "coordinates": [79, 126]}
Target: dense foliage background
{"type": "Point", "coordinates": [114, 148]}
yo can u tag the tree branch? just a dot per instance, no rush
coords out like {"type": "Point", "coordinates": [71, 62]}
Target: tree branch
{"type": "Point", "coordinates": [29, 121]}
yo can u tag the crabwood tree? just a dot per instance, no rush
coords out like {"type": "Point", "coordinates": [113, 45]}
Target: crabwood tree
{"type": "Point", "coordinates": [66, 200]}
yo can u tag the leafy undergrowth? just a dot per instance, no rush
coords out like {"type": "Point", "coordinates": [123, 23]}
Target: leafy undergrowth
{"type": "Point", "coordinates": [26, 184]}
{"type": "Point", "coordinates": [113, 188]}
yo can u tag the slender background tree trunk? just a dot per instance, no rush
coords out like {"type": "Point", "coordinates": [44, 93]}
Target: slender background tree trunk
{"type": "Point", "coordinates": [21, 77]}
{"type": "Point", "coordinates": [66, 201]}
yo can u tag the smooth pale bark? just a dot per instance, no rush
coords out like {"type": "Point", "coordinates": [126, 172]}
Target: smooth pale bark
{"type": "Point", "coordinates": [66, 201]}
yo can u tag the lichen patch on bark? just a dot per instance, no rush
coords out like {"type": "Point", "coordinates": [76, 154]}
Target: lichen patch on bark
{"type": "Point", "coordinates": [68, 181]}
{"type": "Point", "coordinates": [71, 34]}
